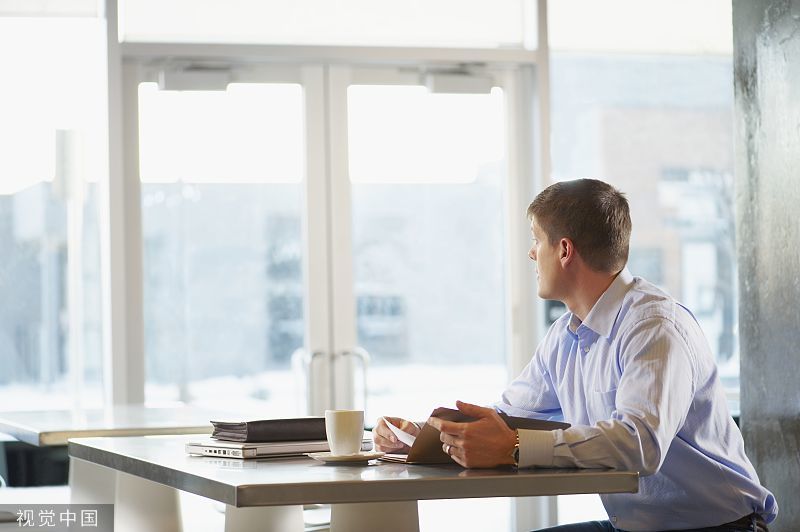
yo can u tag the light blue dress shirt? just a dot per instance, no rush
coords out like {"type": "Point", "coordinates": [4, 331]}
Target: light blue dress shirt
{"type": "Point", "coordinates": [638, 383]}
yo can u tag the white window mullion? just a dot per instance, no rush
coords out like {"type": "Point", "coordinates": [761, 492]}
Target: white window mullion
{"type": "Point", "coordinates": [530, 131]}
{"type": "Point", "coordinates": [528, 513]}
{"type": "Point", "coordinates": [519, 286]}
{"type": "Point", "coordinates": [121, 241]}
{"type": "Point", "coordinates": [341, 240]}
{"type": "Point", "coordinates": [316, 230]}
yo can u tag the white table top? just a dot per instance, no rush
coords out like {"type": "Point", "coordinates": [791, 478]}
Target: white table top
{"type": "Point", "coordinates": [301, 480]}
{"type": "Point", "coordinates": [54, 427]}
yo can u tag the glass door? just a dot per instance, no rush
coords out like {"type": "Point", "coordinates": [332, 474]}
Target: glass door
{"type": "Point", "coordinates": [324, 237]}
{"type": "Point", "coordinates": [419, 176]}
{"type": "Point", "coordinates": [419, 184]}
{"type": "Point", "coordinates": [223, 176]}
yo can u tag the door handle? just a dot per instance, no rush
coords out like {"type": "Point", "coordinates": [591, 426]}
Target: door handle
{"type": "Point", "coordinates": [338, 396]}
{"type": "Point", "coordinates": [362, 355]}
{"type": "Point", "coordinates": [302, 359]}
{"type": "Point", "coordinates": [302, 362]}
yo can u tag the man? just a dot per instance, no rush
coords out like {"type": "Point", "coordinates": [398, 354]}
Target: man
{"type": "Point", "coordinates": [629, 368]}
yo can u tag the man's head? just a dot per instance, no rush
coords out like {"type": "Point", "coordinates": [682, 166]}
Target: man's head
{"type": "Point", "coordinates": [588, 217]}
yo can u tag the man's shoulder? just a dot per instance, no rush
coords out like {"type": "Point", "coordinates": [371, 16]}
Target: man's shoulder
{"type": "Point", "coordinates": [646, 301]}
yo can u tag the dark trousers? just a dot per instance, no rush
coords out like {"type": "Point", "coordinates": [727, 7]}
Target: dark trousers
{"type": "Point", "coordinates": [745, 524]}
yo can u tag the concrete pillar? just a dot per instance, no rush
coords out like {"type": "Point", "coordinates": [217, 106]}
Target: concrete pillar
{"type": "Point", "coordinates": [767, 120]}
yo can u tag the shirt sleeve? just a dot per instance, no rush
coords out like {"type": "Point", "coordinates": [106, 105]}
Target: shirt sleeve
{"type": "Point", "coordinates": [651, 404]}
{"type": "Point", "coordinates": [532, 394]}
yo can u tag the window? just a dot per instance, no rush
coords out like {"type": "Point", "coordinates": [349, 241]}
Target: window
{"type": "Point", "coordinates": [642, 97]}
{"type": "Point", "coordinates": [444, 23]}
{"type": "Point", "coordinates": [428, 174]}
{"type": "Point", "coordinates": [51, 141]}
{"type": "Point", "coordinates": [225, 175]}
{"type": "Point", "coordinates": [221, 174]}
{"type": "Point", "coordinates": [659, 127]}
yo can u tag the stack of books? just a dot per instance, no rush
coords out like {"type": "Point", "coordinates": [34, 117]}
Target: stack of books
{"type": "Point", "coordinates": [266, 438]}
{"type": "Point", "coordinates": [271, 430]}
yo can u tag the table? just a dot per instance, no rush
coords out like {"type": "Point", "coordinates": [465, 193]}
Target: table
{"type": "Point", "coordinates": [268, 494]}
{"type": "Point", "coordinates": [55, 427]}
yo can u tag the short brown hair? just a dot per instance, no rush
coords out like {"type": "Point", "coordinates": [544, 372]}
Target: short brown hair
{"type": "Point", "coordinates": [591, 213]}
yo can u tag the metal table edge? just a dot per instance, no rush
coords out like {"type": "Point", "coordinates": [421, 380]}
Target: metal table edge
{"type": "Point", "coordinates": [24, 434]}
{"type": "Point", "coordinates": [62, 437]}
{"type": "Point", "coordinates": [253, 495]}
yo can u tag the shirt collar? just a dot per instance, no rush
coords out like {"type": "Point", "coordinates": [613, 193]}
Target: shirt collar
{"type": "Point", "coordinates": [605, 311]}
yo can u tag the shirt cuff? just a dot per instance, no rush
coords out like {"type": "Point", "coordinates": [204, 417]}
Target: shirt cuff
{"type": "Point", "coordinates": [536, 448]}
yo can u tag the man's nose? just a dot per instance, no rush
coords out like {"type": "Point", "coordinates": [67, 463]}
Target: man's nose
{"type": "Point", "coordinates": [532, 254]}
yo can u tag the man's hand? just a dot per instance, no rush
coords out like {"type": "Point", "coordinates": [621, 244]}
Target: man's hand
{"type": "Point", "coordinates": [484, 443]}
{"type": "Point", "coordinates": [384, 438]}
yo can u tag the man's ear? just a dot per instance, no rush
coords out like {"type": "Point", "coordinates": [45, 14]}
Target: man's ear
{"type": "Point", "coordinates": [566, 251]}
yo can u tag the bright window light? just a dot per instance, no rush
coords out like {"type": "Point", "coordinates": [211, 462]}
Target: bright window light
{"type": "Point", "coordinates": [250, 133]}
{"type": "Point", "coordinates": [31, 161]}
{"type": "Point", "coordinates": [48, 8]}
{"type": "Point", "coordinates": [47, 90]}
{"type": "Point", "coordinates": [445, 23]}
{"type": "Point", "coordinates": [407, 135]}
{"type": "Point", "coordinates": [641, 26]}
{"type": "Point", "coordinates": [53, 154]}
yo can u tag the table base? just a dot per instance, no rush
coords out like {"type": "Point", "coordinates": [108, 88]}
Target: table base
{"type": "Point", "coordinates": [141, 504]}
{"type": "Point", "coordinates": [264, 519]}
{"type": "Point", "coordinates": [400, 516]}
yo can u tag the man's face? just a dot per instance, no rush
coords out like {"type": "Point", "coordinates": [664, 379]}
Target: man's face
{"type": "Point", "coordinates": [546, 257]}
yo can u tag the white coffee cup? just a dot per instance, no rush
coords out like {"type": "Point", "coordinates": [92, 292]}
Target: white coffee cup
{"type": "Point", "coordinates": [345, 430]}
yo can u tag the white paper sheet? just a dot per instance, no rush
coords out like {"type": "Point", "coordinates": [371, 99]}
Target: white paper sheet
{"type": "Point", "coordinates": [403, 436]}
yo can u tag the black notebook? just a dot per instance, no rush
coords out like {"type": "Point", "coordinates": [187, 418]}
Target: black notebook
{"type": "Point", "coordinates": [271, 430]}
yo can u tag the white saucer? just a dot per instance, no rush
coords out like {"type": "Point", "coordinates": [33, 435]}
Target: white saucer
{"type": "Point", "coordinates": [363, 456]}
